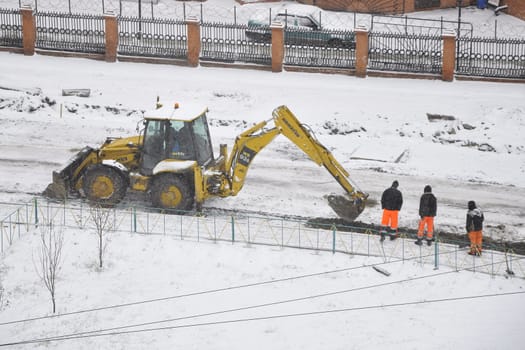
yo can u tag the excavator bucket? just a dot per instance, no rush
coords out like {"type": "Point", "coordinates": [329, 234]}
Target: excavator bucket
{"type": "Point", "coordinates": [62, 180]}
{"type": "Point", "coordinates": [346, 207]}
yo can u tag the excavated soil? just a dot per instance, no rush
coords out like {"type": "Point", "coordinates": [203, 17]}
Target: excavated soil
{"type": "Point", "coordinates": [445, 237]}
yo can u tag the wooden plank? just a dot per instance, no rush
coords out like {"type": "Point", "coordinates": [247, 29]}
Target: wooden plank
{"type": "Point", "coordinates": [381, 270]}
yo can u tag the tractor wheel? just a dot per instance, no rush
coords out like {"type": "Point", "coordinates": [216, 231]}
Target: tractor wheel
{"type": "Point", "coordinates": [104, 185]}
{"type": "Point", "coordinates": [171, 192]}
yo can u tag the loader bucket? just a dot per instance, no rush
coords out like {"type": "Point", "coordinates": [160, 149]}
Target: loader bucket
{"type": "Point", "coordinates": [346, 207]}
{"type": "Point", "coordinates": [57, 189]}
{"type": "Point", "coordinates": [63, 179]}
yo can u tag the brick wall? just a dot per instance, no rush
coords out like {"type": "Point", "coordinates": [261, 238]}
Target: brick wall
{"type": "Point", "coordinates": [516, 8]}
{"type": "Point", "coordinates": [374, 6]}
{"type": "Point", "coordinates": [387, 6]}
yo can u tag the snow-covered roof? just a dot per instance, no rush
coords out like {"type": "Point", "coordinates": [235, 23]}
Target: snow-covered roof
{"type": "Point", "coordinates": [176, 111]}
{"type": "Point", "coordinates": [300, 10]}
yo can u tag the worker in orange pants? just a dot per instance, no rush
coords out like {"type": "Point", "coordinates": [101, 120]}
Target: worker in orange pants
{"type": "Point", "coordinates": [391, 202]}
{"type": "Point", "coordinates": [427, 212]}
{"type": "Point", "coordinates": [474, 227]}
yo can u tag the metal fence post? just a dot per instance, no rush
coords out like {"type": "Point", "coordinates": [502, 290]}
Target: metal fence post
{"type": "Point", "coordinates": [36, 212]}
{"type": "Point", "coordinates": [299, 224]}
{"type": "Point", "coordinates": [134, 219]}
{"type": "Point", "coordinates": [492, 263]}
{"type": "Point", "coordinates": [317, 247]}
{"type": "Point", "coordinates": [333, 239]}
{"type": "Point", "coordinates": [233, 229]}
{"type": "Point", "coordinates": [18, 221]}
{"type": "Point", "coordinates": [131, 221]}
{"type": "Point", "coordinates": [436, 253]}
{"type": "Point", "coordinates": [368, 244]}
{"type": "Point", "coordinates": [282, 233]}
{"type": "Point", "coordinates": [403, 250]}
{"type": "Point", "coordinates": [456, 257]}
{"type": "Point", "coordinates": [2, 235]}
{"type": "Point", "coordinates": [10, 229]}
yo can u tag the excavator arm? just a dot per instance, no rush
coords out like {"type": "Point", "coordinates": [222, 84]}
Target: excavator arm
{"type": "Point", "coordinates": [252, 141]}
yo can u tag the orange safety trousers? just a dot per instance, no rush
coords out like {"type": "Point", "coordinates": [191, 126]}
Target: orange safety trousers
{"type": "Point", "coordinates": [429, 222]}
{"type": "Point", "coordinates": [390, 218]}
{"type": "Point", "coordinates": [476, 239]}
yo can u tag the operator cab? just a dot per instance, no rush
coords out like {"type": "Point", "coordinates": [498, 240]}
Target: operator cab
{"type": "Point", "coordinates": [175, 133]}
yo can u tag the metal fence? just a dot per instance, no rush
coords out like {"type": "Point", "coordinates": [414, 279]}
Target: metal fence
{"type": "Point", "coordinates": [490, 57]}
{"type": "Point", "coordinates": [10, 28]}
{"type": "Point", "coordinates": [240, 229]}
{"type": "Point", "coordinates": [405, 53]}
{"type": "Point", "coordinates": [15, 220]}
{"type": "Point", "coordinates": [325, 48]}
{"type": "Point", "coordinates": [418, 26]}
{"type": "Point", "coordinates": [70, 32]}
{"type": "Point", "coordinates": [152, 37]}
{"type": "Point", "coordinates": [228, 43]}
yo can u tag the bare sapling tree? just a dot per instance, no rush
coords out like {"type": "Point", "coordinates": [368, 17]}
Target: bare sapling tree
{"type": "Point", "coordinates": [50, 258]}
{"type": "Point", "coordinates": [103, 225]}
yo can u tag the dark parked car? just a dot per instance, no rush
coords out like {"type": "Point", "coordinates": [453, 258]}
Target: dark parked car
{"type": "Point", "coordinates": [302, 27]}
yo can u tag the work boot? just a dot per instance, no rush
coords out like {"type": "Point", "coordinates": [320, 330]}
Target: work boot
{"type": "Point", "coordinates": [419, 241]}
{"type": "Point", "coordinates": [382, 236]}
{"type": "Point", "coordinates": [429, 241]}
{"type": "Point", "coordinates": [471, 253]}
{"type": "Point", "coordinates": [393, 236]}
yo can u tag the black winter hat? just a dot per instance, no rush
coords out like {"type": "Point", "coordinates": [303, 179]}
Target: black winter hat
{"type": "Point", "coordinates": [427, 189]}
{"type": "Point", "coordinates": [471, 205]}
{"type": "Point", "coordinates": [395, 184]}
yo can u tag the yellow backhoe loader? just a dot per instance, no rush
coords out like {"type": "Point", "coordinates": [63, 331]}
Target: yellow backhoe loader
{"type": "Point", "coordinates": [172, 160]}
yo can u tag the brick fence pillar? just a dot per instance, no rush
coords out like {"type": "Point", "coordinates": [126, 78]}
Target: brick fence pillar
{"type": "Point", "coordinates": [277, 47]}
{"type": "Point", "coordinates": [28, 30]}
{"type": "Point", "coordinates": [111, 37]}
{"type": "Point", "coordinates": [361, 51]}
{"type": "Point", "coordinates": [194, 41]}
{"type": "Point", "coordinates": [449, 56]}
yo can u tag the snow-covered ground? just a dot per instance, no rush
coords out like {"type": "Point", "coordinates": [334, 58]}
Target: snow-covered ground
{"type": "Point", "coordinates": [343, 304]}
{"type": "Point", "coordinates": [379, 129]}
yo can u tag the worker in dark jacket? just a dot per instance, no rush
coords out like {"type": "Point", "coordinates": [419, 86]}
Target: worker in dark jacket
{"type": "Point", "coordinates": [427, 212]}
{"type": "Point", "coordinates": [474, 228]}
{"type": "Point", "coordinates": [391, 202]}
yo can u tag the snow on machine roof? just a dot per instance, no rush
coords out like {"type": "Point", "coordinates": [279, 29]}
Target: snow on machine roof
{"type": "Point", "coordinates": [176, 111]}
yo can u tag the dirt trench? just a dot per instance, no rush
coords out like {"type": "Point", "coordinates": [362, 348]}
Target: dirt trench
{"type": "Point", "coordinates": [445, 237]}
